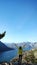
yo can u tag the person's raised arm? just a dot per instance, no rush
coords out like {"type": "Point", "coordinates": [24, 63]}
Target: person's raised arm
{"type": "Point", "coordinates": [16, 45]}
{"type": "Point", "coordinates": [24, 46]}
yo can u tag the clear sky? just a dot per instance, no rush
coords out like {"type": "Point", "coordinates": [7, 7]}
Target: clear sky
{"type": "Point", "coordinates": [19, 19]}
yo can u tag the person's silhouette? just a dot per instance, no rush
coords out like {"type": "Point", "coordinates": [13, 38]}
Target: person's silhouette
{"type": "Point", "coordinates": [20, 51]}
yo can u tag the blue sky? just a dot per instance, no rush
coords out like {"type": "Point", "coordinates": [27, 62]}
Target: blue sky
{"type": "Point", "coordinates": [19, 19]}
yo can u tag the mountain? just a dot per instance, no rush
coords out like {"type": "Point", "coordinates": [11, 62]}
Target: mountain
{"type": "Point", "coordinates": [29, 45]}
{"type": "Point", "coordinates": [10, 45]}
{"type": "Point", "coordinates": [35, 45]}
{"type": "Point", "coordinates": [3, 47]}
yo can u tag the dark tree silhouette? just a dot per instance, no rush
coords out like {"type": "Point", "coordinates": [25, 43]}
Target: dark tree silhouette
{"type": "Point", "coordinates": [2, 35]}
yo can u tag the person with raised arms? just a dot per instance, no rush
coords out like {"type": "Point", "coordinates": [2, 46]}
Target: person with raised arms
{"type": "Point", "coordinates": [20, 52]}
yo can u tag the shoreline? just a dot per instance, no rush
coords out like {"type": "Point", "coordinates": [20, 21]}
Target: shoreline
{"type": "Point", "coordinates": [25, 53]}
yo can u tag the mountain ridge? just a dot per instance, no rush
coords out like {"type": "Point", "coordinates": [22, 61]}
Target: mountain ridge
{"type": "Point", "coordinates": [29, 45]}
{"type": "Point", "coordinates": [3, 47]}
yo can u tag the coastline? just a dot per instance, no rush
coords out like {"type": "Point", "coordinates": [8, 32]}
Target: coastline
{"type": "Point", "coordinates": [25, 57]}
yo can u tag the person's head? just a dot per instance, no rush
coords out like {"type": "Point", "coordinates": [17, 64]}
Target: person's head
{"type": "Point", "coordinates": [20, 47]}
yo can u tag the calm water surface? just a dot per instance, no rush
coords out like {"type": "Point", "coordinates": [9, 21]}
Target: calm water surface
{"type": "Point", "coordinates": [8, 55]}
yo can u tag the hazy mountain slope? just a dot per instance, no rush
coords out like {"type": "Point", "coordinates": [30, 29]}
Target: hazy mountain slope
{"type": "Point", "coordinates": [3, 47]}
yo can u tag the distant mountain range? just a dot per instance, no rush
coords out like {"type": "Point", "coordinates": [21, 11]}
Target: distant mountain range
{"type": "Point", "coordinates": [3, 47]}
{"type": "Point", "coordinates": [11, 46]}
{"type": "Point", "coordinates": [29, 45]}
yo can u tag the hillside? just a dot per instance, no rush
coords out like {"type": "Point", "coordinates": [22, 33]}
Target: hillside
{"type": "Point", "coordinates": [3, 47]}
{"type": "Point", "coordinates": [29, 57]}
